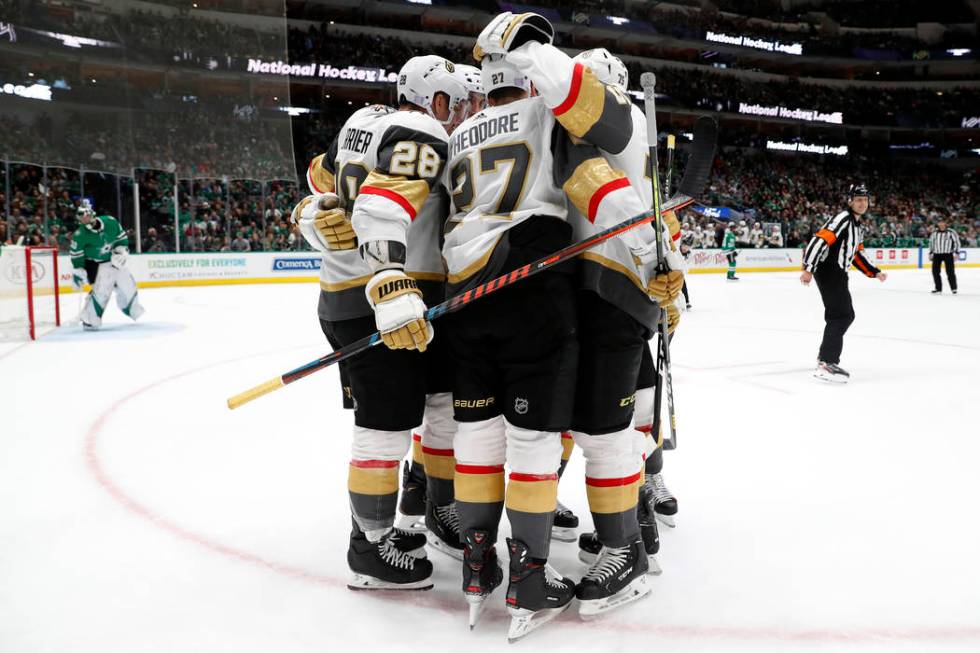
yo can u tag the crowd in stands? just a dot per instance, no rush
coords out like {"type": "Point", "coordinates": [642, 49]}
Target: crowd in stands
{"type": "Point", "coordinates": [801, 192]}
{"type": "Point", "coordinates": [214, 215]}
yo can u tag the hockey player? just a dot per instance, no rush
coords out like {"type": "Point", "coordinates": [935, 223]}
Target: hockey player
{"type": "Point", "coordinates": [775, 237]}
{"type": "Point", "coordinates": [756, 237]}
{"type": "Point", "coordinates": [827, 257]}
{"type": "Point", "coordinates": [728, 246]}
{"type": "Point", "coordinates": [389, 161]}
{"type": "Point", "coordinates": [473, 81]}
{"type": "Point", "coordinates": [743, 235]}
{"type": "Point", "coordinates": [99, 248]}
{"type": "Point", "coordinates": [573, 106]}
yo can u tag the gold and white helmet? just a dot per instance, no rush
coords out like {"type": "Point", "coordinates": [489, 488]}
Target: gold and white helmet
{"type": "Point", "coordinates": [421, 78]}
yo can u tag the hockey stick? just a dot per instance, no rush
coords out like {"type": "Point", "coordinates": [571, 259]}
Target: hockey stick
{"type": "Point", "coordinates": [705, 131]}
{"type": "Point", "coordinates": [691, 187]}
{"type": "Point", "coordinates": [663, 344]}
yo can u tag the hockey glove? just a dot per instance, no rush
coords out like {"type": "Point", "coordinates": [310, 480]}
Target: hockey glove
{"type": "Point", "coordinates": [673, 227]}
{"type": "Point", "coordinates": [399, 310]}
{"type": "Point", "coordinates": [324, 226]}
{"type": "Point", "coordinates": [119, 255]}
{"type": "Point", "coordinates": [508, 31]}
{"type": "Point", "coordinates": [665, 287]}
{"type": "Point", "coordinates": [673, 317]}
{"type": "Point", "coordinates": [79, 277]}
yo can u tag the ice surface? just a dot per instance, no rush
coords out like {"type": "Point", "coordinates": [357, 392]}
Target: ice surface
{"type": "Point", "coordinates": [138, 514]}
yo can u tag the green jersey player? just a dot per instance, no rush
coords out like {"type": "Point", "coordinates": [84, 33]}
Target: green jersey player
{"type": "Point", "coordinates": [98, 257]}
{"type": "Point", "coordinates": [728, 246]}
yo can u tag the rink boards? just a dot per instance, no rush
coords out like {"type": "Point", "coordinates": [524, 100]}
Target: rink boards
{"type": "Point", "coordinates": [205, 269]}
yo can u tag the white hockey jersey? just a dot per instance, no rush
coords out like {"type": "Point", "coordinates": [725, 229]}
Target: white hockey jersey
{"type": "Point", "coordinates": [374, 166]}
{"type": "Point", "coordinates": [510, 163]}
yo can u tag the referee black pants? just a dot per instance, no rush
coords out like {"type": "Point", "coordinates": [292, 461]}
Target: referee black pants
{"type": "Point", "coordinates": [937, 261]}
{"type": "Point", "coordinates": [838, 311]}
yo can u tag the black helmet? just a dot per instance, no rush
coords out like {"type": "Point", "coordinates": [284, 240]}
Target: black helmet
{"type": "Point", "coordinates": [857, 190]}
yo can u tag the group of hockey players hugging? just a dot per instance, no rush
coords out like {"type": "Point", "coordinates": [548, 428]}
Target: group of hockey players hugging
{"type": "Point", "coordinates": [475, 174]}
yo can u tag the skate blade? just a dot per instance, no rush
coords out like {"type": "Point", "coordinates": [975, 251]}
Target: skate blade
{"type": "Point", "coordinates": [667, 520]}
{"type": "Point", "coordinates": [478, 603]}
{"type": "Point", "coordinates": [586, 557]}
{"type": "Point", "coordinates": [439, 545]}
{"type": "Point", "coordinates": [654, 565]}
{"type": "Point", "coordinates": [834, 379]}
{"type": "Point", "coordinates": [524, 622]}
{"type": "Point", "coordinates": [363, 582]}
{"type": "Point", "coordinates": [411, 523]}
{"type": "Point", "coordinates": [564, 534]}
{"type": "Point", "coordinates": [635, 591]}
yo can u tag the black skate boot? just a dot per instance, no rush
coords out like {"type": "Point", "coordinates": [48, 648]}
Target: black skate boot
{"type": "Point", "coordinates": [831, 373]}
{"type": "Point", "coordinates": [647, 516]}
{"type": "Point", "coordinates": [381, 565]}
{"type": "Point", "coordinates": [563, 528]}
{"type": "Point", "coordinates": [665, 503]}
{"type": "Point", "coordinates": [481, 571]}
{"type": "Point", "coordinates": [443, 524]}
{"type": "Point", "coordinates": [408, 542]}
{"type": "Point", "coordinates": [536, 593]}
{"type": "Point", "coordinates": [588, 547]}
{"type": "Point", "coordinates": [411, 506]}
{"type": "Point", "coordinates": [618, 577]}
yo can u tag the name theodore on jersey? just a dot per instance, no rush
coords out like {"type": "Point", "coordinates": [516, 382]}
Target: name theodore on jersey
{"type": "Point", "coordinates": [488, 128]}
{"type": "Point", "coordinates": [357, 140]}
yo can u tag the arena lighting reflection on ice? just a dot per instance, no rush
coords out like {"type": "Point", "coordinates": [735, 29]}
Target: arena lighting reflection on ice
{"type": "Point", "coordinates": [810, 148]}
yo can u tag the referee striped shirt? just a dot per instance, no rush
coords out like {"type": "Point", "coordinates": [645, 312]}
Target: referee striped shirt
{"type": "Point", "coordinates": [944, 242]}
{"type": "Point", "coordinates": [839, 243]}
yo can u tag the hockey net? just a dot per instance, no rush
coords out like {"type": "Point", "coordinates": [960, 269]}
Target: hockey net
{"type": "Point", "coordinates": [29, 301]}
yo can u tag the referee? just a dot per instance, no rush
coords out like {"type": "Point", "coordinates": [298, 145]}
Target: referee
{"type": "Point", "coordinates": [827, 258]}
{"type": "Point", "coordinates": [944, 245]}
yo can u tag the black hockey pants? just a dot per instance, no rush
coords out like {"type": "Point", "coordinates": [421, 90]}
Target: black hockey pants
{"type": "Point", "coordinates": [838, 311]}
{"type": "Point", "coordinates": [948, 260]}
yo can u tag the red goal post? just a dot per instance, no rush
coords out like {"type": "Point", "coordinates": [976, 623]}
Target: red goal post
{"type": "Point", "coordinates": [30, 303]}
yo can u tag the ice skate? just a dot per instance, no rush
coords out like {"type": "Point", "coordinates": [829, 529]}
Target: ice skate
{"type": "Point", "coordinates": [564, 527]}
{"type": "Point", "coordinates": [665, 503]}
{"type": "Point", "coordinates": [411, 506]}
{"type": "Point", "coordinates": [443, 525]}
{"type": "Point", "coordinates": [617, 577]}
{"type": "Point", "coordinates": [588, 547]}
{"type": "Point", "coordinates": [408, 542]}
{"type": "Point", "coordinates": [831, 373]}
{"type": "Point", "coordinates": [481, 571]}
{"type": "Point", "coordinates": [536, 593]}
{"type": "Point", "coordinates": [382, 566]}
{"type": "Point", "coordinates": [647, 516]}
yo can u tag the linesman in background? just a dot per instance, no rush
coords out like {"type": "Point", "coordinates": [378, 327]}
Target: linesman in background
{"type": "Point", "coordinates": [944, 245]}
{"type": "Point", "coordinates": [827, 258]}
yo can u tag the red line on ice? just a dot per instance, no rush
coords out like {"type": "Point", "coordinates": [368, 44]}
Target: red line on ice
{"type": "Point", "coordinates": [456, 605]}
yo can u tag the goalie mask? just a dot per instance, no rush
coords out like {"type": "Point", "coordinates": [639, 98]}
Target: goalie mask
{"type": "Point", "coordinates": [422, 78]}
{"type": "Point", "coordinates": [84, 210]}
{"type": "Point", "coordinates": [608, 68]}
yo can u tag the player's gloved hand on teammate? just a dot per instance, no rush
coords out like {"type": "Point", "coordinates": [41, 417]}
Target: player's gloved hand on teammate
{"type": "Point", "coordinates": [665, 287]}
{"type": "Point", "coordinates": [119, 255]}
{"type": "Point", "coordinates": [399, 311]}
{"type": "Point", "coordinates": [509, 31]}
{"type": "Point", "coordinates": [324, 225]}
{"type": "Point", "coordinates": [78, 278]}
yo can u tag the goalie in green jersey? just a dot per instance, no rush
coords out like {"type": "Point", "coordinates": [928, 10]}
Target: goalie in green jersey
{"type": "Point", "coordinates": [728, 246]}
{"type": "Point", "coordinates": [98, 257]}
